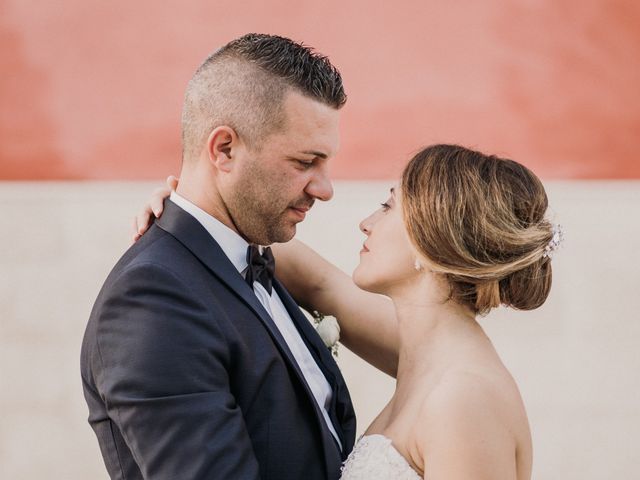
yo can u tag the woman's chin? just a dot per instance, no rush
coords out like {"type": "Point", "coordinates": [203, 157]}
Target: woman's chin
{"type": "Point", "coordinates": [358, 278]}
{"type": "Point", "coordinates": [364, 281]}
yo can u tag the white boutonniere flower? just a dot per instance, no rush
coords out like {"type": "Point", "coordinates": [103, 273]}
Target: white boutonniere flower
{"type": "Point", "coordinates": [328, 329]}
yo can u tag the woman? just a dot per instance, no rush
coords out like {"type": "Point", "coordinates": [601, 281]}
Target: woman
{"type": "Point", "coordinates": [461, 234]}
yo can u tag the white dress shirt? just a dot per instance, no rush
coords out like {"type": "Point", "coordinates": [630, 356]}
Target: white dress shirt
{"type": "Point", "coordinates": [235, 248]}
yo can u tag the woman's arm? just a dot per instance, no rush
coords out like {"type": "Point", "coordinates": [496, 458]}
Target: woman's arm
{"type": "Point", "coordinates": [368, 325]}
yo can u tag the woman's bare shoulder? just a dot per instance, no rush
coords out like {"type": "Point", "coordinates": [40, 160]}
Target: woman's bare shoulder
{"type": "Point", "coordinates": [474, 394]}
{"type": "Point", "coordinates": [472, 421]}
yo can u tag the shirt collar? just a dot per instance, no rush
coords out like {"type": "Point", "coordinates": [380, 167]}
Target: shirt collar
{"type": "Point", "coordinates": [232, 244]}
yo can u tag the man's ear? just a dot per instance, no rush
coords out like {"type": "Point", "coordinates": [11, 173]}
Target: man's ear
{"type": "Point", "coordinates": [222, 145]}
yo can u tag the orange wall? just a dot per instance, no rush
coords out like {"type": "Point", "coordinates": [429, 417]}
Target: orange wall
{"type": "Point", "coordinates": [92, 89]}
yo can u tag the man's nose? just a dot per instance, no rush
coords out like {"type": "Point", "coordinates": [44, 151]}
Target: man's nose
{"type": "Point", "coordinates": [320, 187]}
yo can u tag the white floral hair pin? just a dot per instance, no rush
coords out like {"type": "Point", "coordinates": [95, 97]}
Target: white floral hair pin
{"type": "Point", "coordinates": [556, 240]}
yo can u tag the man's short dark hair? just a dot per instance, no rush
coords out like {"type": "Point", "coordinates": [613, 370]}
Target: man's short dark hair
{"type": "Point", "coordinates": [243, 85]}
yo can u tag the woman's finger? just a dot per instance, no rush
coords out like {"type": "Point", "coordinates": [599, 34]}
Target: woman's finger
{"type": "Point", "coordinates": [134, 229]}
{"type": "Point", "coordinates": [144, 220]}
{"type": "Point", "coordinates": [154, 208]}
{"type": "Point", "coordinates": [156, 202]}
{"type": "Point", "coordinates": [172, 182]}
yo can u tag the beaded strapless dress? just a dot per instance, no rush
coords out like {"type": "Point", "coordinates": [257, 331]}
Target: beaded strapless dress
{"type": "Point", "coordinates": [375, 458]}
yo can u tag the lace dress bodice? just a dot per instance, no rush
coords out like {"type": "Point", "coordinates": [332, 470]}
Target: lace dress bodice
{"type": "Point", "coordinates": [375, 458]}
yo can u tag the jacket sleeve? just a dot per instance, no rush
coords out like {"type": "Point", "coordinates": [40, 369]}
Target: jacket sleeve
{"type": "Point", "coordinates": [162, 370]}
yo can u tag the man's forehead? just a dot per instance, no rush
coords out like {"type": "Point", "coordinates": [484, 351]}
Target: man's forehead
{"type": "Point", "coordinates": [304, 110]}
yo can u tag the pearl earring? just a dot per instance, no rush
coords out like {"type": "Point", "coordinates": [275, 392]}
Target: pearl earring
{"type": "Point", "coordinates": [417, 265]}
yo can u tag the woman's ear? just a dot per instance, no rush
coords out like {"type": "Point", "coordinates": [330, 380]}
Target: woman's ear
{"type": "Point", "coordinates": [222, 145]}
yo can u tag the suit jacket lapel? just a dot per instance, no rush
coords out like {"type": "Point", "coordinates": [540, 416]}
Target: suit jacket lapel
{"type": "Point", "coordinates": [193, 236]}
{"type": "Point", "coordinates": [309, 334]}
{"type": "Point", "coordinates": [341, 410]}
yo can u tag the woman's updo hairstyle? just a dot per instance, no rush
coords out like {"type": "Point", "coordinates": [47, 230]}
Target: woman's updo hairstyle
{"type": "Point", "coordinates": [480, 221]}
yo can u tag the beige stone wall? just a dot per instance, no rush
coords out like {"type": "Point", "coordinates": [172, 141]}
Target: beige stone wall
{"type": "Point", "coordinates": [576, 359]}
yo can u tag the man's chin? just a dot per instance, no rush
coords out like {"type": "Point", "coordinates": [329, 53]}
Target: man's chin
{"type": "Point", "coordinates": [281, 235]}
{"type": "Point", "coordinates": [287, 235]}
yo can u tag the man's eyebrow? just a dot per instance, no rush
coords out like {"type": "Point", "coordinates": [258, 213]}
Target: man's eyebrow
{"type": "Point", "coordinates": [315, 154]}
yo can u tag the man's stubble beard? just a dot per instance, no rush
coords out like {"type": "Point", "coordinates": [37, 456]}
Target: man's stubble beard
{"type": "Point", "coordinates": [259, 213]}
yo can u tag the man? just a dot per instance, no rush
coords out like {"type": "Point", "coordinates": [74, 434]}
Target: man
{"type": "Point", "coordinates": [196, 363]}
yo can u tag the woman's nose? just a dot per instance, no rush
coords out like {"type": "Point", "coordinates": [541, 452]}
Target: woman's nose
{"type": "Point", "coordinates": [365, 226]}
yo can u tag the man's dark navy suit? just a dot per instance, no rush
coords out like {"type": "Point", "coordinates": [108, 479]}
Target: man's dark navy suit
{"type": "Point", "coordinates": [187, 377]}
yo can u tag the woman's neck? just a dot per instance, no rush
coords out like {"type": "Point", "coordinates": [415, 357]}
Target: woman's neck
{"type": "Point", "coordinates": [431, 328]}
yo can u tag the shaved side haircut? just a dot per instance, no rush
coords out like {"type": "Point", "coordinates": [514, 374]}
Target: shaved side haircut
{"type": "Point", "coordinates": [243, 85]}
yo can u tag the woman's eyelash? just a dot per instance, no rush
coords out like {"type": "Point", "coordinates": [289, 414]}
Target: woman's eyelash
{"type": "Point", "coordinates": [385, 206]}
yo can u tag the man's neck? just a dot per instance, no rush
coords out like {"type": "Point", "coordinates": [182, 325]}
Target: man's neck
{"type": "Point", "coordinates": [206, 198]}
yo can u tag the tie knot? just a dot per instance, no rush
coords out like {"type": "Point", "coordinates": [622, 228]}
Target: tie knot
{"type": "Point", "coordinates": [261, 267]}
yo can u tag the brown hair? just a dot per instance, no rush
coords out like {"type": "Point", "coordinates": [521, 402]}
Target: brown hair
{"type": "Point", "coordinates": [243, 85]}
{"type": "Point", "coordinates": [479, 221]}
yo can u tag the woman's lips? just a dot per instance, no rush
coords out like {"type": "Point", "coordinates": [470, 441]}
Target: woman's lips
{"type": "Point", "coordinates": [364, 249]}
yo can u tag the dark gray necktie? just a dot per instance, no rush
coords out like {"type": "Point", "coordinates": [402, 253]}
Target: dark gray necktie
{"type": "Point", "coordinates": [261, 267]}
